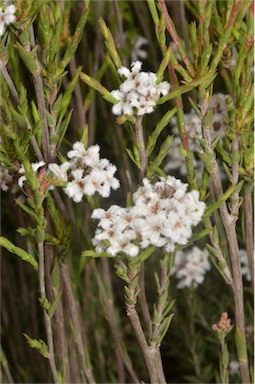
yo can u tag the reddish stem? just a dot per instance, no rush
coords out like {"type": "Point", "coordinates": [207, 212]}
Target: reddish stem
{"type": "Point", "coordinates": [233, 13]}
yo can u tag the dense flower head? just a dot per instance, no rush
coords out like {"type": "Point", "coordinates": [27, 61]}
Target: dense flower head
{"type": "Point", "coordinates": [139, 93]}
{"type": "Point", "coordinates": [162, 215]}
{"type": "Point", "coordinates": [190, 266]}
{"type": "Point", "coordinates": [85, 173]}
{"type": "Point", "coordinates": [7, 16]}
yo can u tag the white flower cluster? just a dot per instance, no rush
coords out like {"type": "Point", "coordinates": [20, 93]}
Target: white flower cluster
{"type": "Point", "coordinates": [86, 173]}
{"type": "Point", "coordinates": [190, 267]}
{"type": "Point", "coordinates": [139, 93]}
{"type": "Point", "coordinates": [194, 128]}
{"type": "Point", "coordinates": [162, 215]}
{"type": "Point", "coordinates": [6, 16]}
{"type": "Point", "coordinates": [7, 182]}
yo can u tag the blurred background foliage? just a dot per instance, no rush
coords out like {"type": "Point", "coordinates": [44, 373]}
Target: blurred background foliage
{"type": "Point", "coordinates": [190, 349]}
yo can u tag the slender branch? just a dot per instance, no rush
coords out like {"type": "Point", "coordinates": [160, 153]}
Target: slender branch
{"type": "Point", "coordinates": [80, 114]}
{"type": "Point", "coordinates": [135, 321]}
{"type": "Point", "coordinates": [176, 39]}
{"type": "Point", "coordinates": [115, 331]}
{"type": "Point", "coordinates": [248, 209]}
{"type": "Point", "coordinates": [141, 146]}
{"type": "Point", "coordinates": [15, 95]}
{"type": "Point", "coordinates": [76, 320]}
{"type": "Point", "coordinates": [6, 369]}
{"type": "Point", "coordinates": [46, 315]}
{"type": "Point", "coordinates": [39, 90]}
{"type": "Point", "coordinates": [229, 224]}
{"type": "Point", "coordinates": [112, 317]}
{"type": "Point", "coordinates": [58, 319]}
{"type": "Point", "coordinates": [142, 299]}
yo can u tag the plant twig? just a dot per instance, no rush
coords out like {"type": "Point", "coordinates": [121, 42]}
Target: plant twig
{"type": "Point", "coordinates": [76, 320]}
{"type": "Point", "coordinates": [114, 328]}
{"type": "Point", "coordinates": [248, 209]}
{"type": "Point", "coordinates": [176, 39]}
{"type": "Point", "coordinates": [141, 146]}
{"type": "Point", "coordinates": [135, 321]}
{"type": "Point", "coordinates": [39, 90]}
{"type": "Point", "coordinates": [15, 95]}
{"type": "Point", "coordinates": [229, 224]}
{"type": "Point", "coordinates": [46, 315]}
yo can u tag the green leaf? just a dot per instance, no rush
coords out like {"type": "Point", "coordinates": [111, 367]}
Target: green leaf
{"type": "Point", "coordinates": [39, 345]}
{"type": "Point", "coordinates": [153, 11]}
{"type": "Point", "coordinates": [94, 254]}
{"type": "Point", "coordinates": [45, 303]}
{"type": "Point", "coordinates": [53, 306]}
{"type": "Point", "coordinates": [203, 81]}
{"type": "Point", "coordinates": [109, 41]}
{"type": "Point", "coordinates": [18, 251]}
{"type": "Point", "coordinates": [240, 346]}
{"type": "Point", "coordinates": [132, 157]}
{"type": "Point", "coordinates": [159, 127]}
{"type": "Point", "coordinates": [164, 149]}
{"type": "Point", "coordinates": [29, 58]}
{"type": "Point", "coordinates": [98, 87]}
{"type": "Point", "coordinates": [28, 210]}
{"type": "Point", "coordinates": [164, 328]}
{"type": "Point", "coordinates": [163, 64]}
{"type": "Point", "coordinates": [143, 256]}
{"type": "Point", "coordinates": [225, 356]}
{"type": "Point", "coordinates": [224, 197]}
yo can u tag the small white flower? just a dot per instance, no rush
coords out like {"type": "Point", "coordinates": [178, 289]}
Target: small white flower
{"type": "Point", "coordinates": [6, 179]}
{"type": "Point", "coordinates": [233, 367]}
{"type": "Point", "coordinates": [89, 157]}
{"type": "Point", "coordinates": [137, 52]}
{"type": "Point", "coordinates": [6, 16]}
{"type": "Point", "coordinates": [244, 264]}
{"type": "Point", "coordinates": [60, 171]}
{"type": "Point", "coordinates": [190, 267]}
{"type": "Point", "coordinates": [75, 188]}
{"type": "Point", "coordinates": [35, 167]}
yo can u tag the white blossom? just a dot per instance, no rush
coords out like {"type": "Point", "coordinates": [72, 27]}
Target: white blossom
{"type": "Point", "coordinates": [137, 51]}
{"type": "Point", "coordinates": [7, 16]}
{"type": "Point", "coordinates": [139, 92]}
{"type": "Point", "coordinates": [190, 267]}
{"type": "Point", "coordinates": [60, 171]}
{"type": "Point", "coordinates": [6, 181]}
{"type": "Point", "coordinates": [244, 264]}
{"type": "Point", "coordinates": [233, 367]}
{"type": "Point", "coordinates": [75, 188]}
{"type": "Point", "coordinates": [35, 166]}
{"type": "Point", "coordinates": [161, 215]}
{"type": "Point", "coordinates": [86, 173]}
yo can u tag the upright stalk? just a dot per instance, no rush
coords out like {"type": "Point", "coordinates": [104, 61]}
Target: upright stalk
{"type": "Point", "coordinates": [76, 321]}
{"type": "Point", "coordinates": [115, 331]}
{"type": "Point", "coordinates": [46, 315]}
{"type": "Point", "coordinates": [141, 146]}
{"type": "Point", "coordinates": [229, 222]}
{"type": "Point", "coordinates": [248, 209]}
